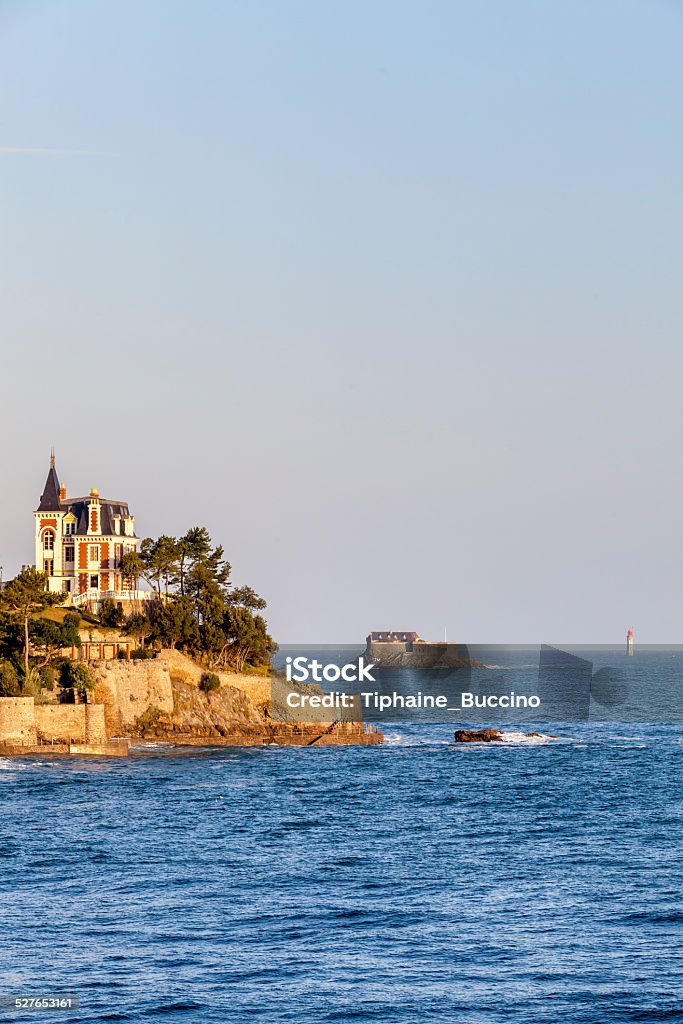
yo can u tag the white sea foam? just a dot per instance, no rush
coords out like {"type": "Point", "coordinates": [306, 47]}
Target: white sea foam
{"type": "Point", "coordinates": [523, 737]}
{"type": "Point", "coordinates": [151, 746]}
{"type": "Point", "coordinates": [510, 668]}
{"type": "Point", "coordinates": [410, 739]}
{"type": "Point", "coordinates": [397, 739]}
{"type": "Point", "coordinates": [9, 765]}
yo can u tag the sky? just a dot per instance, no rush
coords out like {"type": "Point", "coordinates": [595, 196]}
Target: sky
{"type": "Point", "coordinates": [386, 294]}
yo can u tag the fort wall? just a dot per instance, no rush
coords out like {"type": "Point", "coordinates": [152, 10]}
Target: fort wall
{"type": "Point", "coordinates": [95, 726]}
{"type": "Point", "coordinates": [60, 722]}
{"type": "Point", "coordinates": [417, 654]}
{"type": "Point", "coordinates": [17, 722]}
{"type": "Point", "coordinates": [127, 689]}
{"type": "Point", "coordinates": [23, 723]}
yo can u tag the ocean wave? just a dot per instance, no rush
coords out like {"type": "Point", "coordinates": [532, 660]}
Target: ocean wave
{"type": "Point", "coordinates": [397, 739]}
{"type": "Point", "coordinates": [511, 737]}
{"type": "Point", "coordinates": [8, 764]}
{"type": "Point", "coordinates": [512, 668]}
{"type": "Point", "coordinates": [526, 738]}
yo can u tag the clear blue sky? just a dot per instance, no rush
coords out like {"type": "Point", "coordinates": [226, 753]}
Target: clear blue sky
{"type": "Point", "coordinates": [386, 294]}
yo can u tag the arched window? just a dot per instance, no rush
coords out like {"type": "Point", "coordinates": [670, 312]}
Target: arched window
{"type": "Point", "coordinates": [48, 541]}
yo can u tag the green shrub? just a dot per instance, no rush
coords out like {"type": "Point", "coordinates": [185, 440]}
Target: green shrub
{"type": "Point", "coordinates": [111, 613]}
{"type": "Point", "coordinates": [143, 654]}
{"type": "Point", "coordinates": [209, 682]}
{"type": "Point", "coordinates": [74, 674]}
{"type": "Point", "coordinates": [31, 683]}
{"type": "Point", "coordinates": [9, 683]}
{"type": "Point", "coordinates": [48, 677]}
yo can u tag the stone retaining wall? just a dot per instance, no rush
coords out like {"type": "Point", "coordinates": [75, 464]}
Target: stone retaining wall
{"type": "Point", "coordinates": [17, 721]}
{"type": "Point", "coordinates": [24, 723]}
{"type": "Point", "coordinates": [128, 688]}
{"type": "Point", "coordinates": [65, 722]}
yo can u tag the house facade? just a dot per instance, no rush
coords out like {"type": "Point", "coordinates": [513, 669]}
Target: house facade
{"type": "Point", "coordinates": [80, 543]}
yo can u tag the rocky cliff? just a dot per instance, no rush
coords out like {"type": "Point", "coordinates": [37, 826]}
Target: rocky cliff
{"type": "Point", "coordinates": [161, 700]}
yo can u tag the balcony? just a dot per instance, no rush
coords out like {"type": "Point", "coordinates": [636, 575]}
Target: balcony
{"type": "Point", "coordinates": [91, 597]}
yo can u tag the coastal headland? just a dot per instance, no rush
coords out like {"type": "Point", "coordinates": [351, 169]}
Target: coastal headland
{"type": "Point", "coordinates": [161, 700]}
{"type": "Point", "coordinates": [91, 634]}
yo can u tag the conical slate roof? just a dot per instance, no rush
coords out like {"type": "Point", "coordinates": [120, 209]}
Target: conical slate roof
{"type": "Point", "coordinates": [49, 499]}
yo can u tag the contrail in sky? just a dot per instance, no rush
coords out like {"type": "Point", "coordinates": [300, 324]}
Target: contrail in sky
{"type": "Point", "coordinates": [45, 151]}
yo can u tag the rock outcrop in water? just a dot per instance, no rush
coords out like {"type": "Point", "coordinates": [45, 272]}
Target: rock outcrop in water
{"type": "Point", "coordinates": [492, 736]}
{"type": "Point", "coordinates": [478, 736]}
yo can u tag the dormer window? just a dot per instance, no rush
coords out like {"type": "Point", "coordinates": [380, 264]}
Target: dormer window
{"type": "Point", "coordinates": [69, 529]}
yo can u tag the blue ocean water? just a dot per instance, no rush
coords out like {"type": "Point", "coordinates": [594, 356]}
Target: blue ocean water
{"type": "Point", "coordinates": [418, 881]}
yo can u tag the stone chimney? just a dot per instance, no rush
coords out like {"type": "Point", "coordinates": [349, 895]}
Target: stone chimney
{"type": "Point", "coordinates": [94, 523]}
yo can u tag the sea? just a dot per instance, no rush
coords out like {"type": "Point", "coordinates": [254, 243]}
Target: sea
{"type": "Point", "coordinates": [537, 880]}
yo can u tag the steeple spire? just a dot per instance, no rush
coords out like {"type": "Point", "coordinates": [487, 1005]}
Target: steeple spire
{"type": "Point", "coordinates": [49, 499]}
